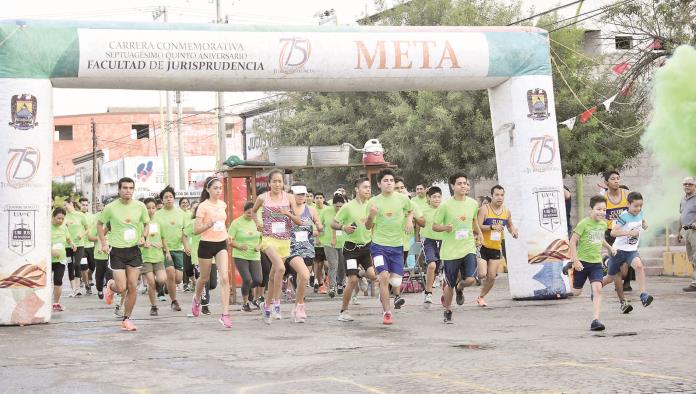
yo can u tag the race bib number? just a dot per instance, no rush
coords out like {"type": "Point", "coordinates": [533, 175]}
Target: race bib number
{"type": "Point", "coordinates": [129, 234]}
{"type": "Point", "coordinates": [352, 264]}
{"type": "Point", "coordinates": [83, 261]}
{"type": "Point", "coordinates": [301, 236]}
{"type": "Point", "coordinates": [154, 228]}
{"type": "Point", "coordinates": [219, 225]}
{"type": "Point", "coordinates": [57, 246]}
{"type": "Point", "coordinates": [339, 233]}
{"type": "Point", "coordinates": [461, 234]}
{"type": "Point", "coordinates": [496, 235]}
{"type": "Point", "coordinates": [378, 260]}
{"type": "Point", "coordinates": [277, 227]}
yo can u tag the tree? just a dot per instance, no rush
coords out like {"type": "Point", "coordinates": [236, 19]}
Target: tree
{"type": "Point", "coordinates": [62, 189]}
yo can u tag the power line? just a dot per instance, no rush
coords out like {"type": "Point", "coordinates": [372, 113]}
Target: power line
{"type": "Point", "coordinates": [546, 12]}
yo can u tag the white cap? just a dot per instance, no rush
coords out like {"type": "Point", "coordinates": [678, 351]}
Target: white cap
{"type": "Point", "coordinates": [299, 189]}
{"type": "Point", "coordinates": [689, 179]}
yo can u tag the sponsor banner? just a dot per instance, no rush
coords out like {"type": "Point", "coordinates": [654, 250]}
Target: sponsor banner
{"type": "Point", "coordinates": [26, 133]}
{"type": "Point", "coordinates": [334, 60]}
{"type": "Point", "coordinates": [529, 167]}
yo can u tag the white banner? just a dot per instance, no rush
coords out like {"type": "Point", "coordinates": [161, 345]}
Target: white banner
{"type": "Point", "coordinates": [26, 135]}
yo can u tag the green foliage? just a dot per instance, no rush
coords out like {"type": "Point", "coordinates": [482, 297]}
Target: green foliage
{"type": "Point", "coordinates": [61, 191]}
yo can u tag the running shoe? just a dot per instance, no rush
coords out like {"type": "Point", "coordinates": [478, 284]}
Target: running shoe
{"type": "Point", "coordinates": [316, 287]}
{"type": "Point", "coordinates": [288, 294]}
{"type": "Point", "coordinates": [127, 325]}
{"type": "Point", "coordinates": [72, 294]}
{"type": "Point", "coordinates": [399, 302]}
{"type": "Point", "coordinates": [225, 321]}
{"type": "Point", "coordinates": [195, 307]}
{"type": "Point", "coordinates": [481, 302]}
{"type": "Point", "coordinates": [100, 294]}
{"type": "Point", "coordinates": [300, 314]}
{"type": "Point", "coordinates": [187, 289]}
{"type": "Point", "coordinates": [246, 308]}
{"type": "Point", "coordinates": [153, 310]}
{"type": "Point", "coordinates": [261, 300]}
{"type": "Point", "coordinates": [447, 317]}
{"type": "Point", "coordinates": [478, 281]}
{"type": "Point", "coordinates": [646, 299]}
{"type": "Point", "coordinates": [322, 289]}
{"type": "Point", "coordinates": [276, 311]}
{"type": "Point", "coordinates": [117, 311]}
{"type": "Point", "coordinates": [428, 299]}
{"type": "Point", "coordinates": [332, 292]}
{"type": "Point", "coordinates": [460, 297]}
{"type": "Point", "coordinates": [625, 307]}
{"type": "Point", "coordinates": [89, 290]}
{"type": "Point", "coordinates": [627, 286]}
{"type": "Point", "coordinates": [387, 318]}
{"type": "Point", "coordinates": [596, 325]}
{"type": "Point", "coordinates": [354, 300]}
{"type": "Point", "coordinates": [266, 313]}
{"type": "Point", "coordinates": [57, 308]}
{"type": "Point", "coordinates": [78, 292]}
{"type": "Point", "coordinates": [345, 317]}
{"type": "Point", "coordinates": [567, 268]}
{"type": "Point", "coordinates": [162, 298]}
{"type": "Point", "coordinates": [339, 291]}
{"type": "Point", "coordinates": [255, 304]}
{"type": "Point", "coordinates": [143, 289]}
{"type": "Point", "coordinates": [205, 309]}
{"type": "Point", "coordinates": [108, 293]}
{"type": "Point", "coordinates": [91, 283]}
{"type": "Point", "coordinates": [175, 306]}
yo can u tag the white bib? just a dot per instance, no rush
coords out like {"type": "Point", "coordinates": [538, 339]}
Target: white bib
{"type": "Point", "coordinates": [461, 234]}
{"type": "Point", "coordinates": [378, 260]}
{"type": "Point", "coordinates": [277, 227]}
{"type": "Point", "coordinates": [154, 228]}
{"type": "Point", "coordinates": [339, 233]}
{"type": "Point", "coordinates": [496, 235]}
{"type": "Point", "coordinates": [84, 261]}
{"type": "Point", "coordinates": [352, 264]}
{"type": "Point", "coordinates": [58, 246]}
{"type": "Point", "coordinates": [219, 225]}
{"type": "Point", "coordinates": [301, 236]}
{"type": "Point", "coordinates": [129, 234]}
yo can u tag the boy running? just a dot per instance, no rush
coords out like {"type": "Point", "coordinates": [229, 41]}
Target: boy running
{"type": "Point", "coordinates": [431, 242]}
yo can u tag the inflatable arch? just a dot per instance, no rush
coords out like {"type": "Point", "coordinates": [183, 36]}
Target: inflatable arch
{"type": "Point", "coordinates": [512, 63]}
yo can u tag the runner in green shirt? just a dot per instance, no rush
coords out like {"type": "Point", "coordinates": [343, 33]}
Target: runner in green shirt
{"type": "Point", "coordinates": [390, 214]}
{"type": "Point", "coordinates": [88, 271]}
{"type": "Point", "coordinates": [76, 222]}
{"type": "Point", "coordinates": [129, 228]}
{"type": "Point", "coordinates": [153, 251]}
{"type": "Point", "coordinates": [245, 240]}
{"type": "Point", "coordinates": [332, 241]}
{"type": "Point", "coordinates": [431, 242]}
{"type": "Point", "coordinates": [173, 220]}
{"type": "Point", "coordinates": [586, 245]}
{"type": "Point", "coordinates": [323, 239]}
{"type": "Point", "coordinates": [60, 240]}
{"type": "Point", "coordinates": [102, 271]}
{"type": "Point", "coordinates": [456, 219]}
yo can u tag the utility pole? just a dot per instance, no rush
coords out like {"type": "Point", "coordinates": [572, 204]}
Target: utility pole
{"type": "Point", "coordinates": [170, 178]}
{"type": "Point", "coordinates": [222, 148]}
{"type": "Point", "coordinates": [180, 134]}
{"type": "Point", "coordinates": [94, 166]}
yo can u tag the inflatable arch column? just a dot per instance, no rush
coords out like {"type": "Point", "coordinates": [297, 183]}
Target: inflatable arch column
{"type": "Point", "coordinates": [513, 63]}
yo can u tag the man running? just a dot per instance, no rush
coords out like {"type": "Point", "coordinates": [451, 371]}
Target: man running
{"type": "Point", "coordinates": [351, 220]}
{"type": "Point", "coordinates": [319, 243]}
{"type": "Point", "coordinates": [390, 214]}
{"type": "Point", "coordinates": [431, 243]}
{"type": "Point", "coordinates": [456, 219]}
{"type": "Point", "coordinates": [88, 270]}
{"type": "Point", "coordinates": [173, 220]}
{"type": "Point", "coordinates": [492, 219]}
{"type": "Point", "coordinates": [129, 223]}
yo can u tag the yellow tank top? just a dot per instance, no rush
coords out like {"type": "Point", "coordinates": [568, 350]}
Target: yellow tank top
{"type": "Point", "coordinates": [494, 239]}
{"type": "Point", "coordinates": [615, 210]}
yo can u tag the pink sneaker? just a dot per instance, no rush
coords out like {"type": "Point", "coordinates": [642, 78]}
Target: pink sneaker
{"type": "Point", "coordinates": [57, 308]}
{"type": "Point", "coordinates": [195, 307]}
{"type": "Point", "coordinates": [108, 293]}
{"type": "Point", "coordinates": [225, 321]}
{"type": "Point", "coordinates": [300, 314]}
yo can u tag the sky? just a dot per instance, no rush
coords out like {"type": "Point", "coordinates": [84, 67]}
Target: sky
{"type": "Point", "coordinates": [242, 12]}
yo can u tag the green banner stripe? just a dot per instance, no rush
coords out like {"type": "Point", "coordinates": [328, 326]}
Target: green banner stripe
{"type": "Point", "coordinates": [513, 54]}
{"type": "Point", "coordinates": [38, 51]}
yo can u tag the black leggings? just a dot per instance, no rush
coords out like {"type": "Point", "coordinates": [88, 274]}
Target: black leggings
{"type": "Point", "coordinates": [58, 272]}
{"type": "Point", "coordinates": [250, 271]}
{"type": "Point", "coordinates": [74, 265]}
{"type": "Point", "coordinates": [89, 253]}
{"type": "Point", "coordinates": [102, 274]}
{"type": "Point", "coordinates": [266, 265]}
{"type": "Point", "coordinates": [188, 268]}
{"type": "Point", "coordinates": [211, 284]}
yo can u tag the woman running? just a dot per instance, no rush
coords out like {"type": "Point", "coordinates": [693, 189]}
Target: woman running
{"type": "Point", "coordinates": [153, 251]}
{"type": "Point", "coordinates": [276, 217]}
{"type": "Point", "coordinates": [60, 238]}
{"type": "Point", "coordinates": [210, 223]}
{"type": "Point", "coordinates": [302, 248]}
{"type": "Point", "coordinates": [245, 240]}
{"type": "Point", "coordinates": [76, 222]}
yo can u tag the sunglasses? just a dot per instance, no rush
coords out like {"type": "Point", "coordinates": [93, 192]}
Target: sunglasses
{"type": "Point", "coordinates": [688, 184]}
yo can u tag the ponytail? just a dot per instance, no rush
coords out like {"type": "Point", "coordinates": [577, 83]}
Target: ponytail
{"type": "Point", "coordinates": [208, 182]}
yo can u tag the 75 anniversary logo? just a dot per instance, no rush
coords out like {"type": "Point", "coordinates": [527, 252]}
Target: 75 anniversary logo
{"type": "Point", "coordinates": [22, 166]}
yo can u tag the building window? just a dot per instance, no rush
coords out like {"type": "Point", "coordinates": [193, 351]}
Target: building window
{"type": "Point", "coordinates": [623, 42]}
{"type": "Point", "coordinates": [140, 131]}
{"type": "Point", "coordinates": [64, 133]}
{"type": "Point", "coordinates": [229, 129]}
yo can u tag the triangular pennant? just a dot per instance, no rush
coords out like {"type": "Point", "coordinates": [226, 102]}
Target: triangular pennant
{"type": "Point", "coordinates": [620, 68]}
{"type": "Point", "coordinates": [587, 115]}
{"type": "Point", "coordinates": [570, 123]}
{"type": "Point", "coordinates": [656, 44]}
{"type": "Point", "coordinates": [625, 90]}
{"type": "Point", "coordinates": [607, 102]}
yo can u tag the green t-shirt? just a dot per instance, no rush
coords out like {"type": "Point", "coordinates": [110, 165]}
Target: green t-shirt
{"type": "Point", "coordinates": [173, 221]}
{"type": "Point", "coordinates": [194, 240]}
{"type": "Point", "coordinates": [591, 233]}
{"type": "Point", "coordinates": [327, 216]}
{"type": "Point", "coordinates": [75, 222]}
{"type": "Point", "coordinates": [155, 253]}
{"type": "Point", "coordinates": [410, 238]}
{"type": "Point", "coordinates": [244, 232]}
{"type": "Point", "coordinates": [422, 203]}
{"type": "Point", "coordinates": [91, 228]}
{"type": "Point", "coordinates": [60, 236]}
{"type": "Point", "coordinates": [461, 240]}
{"type": "Point", "coordinates": [98, 255]}
{"type": "Point", "coordinates": [427, 231]}
{"type": "Point", "coordinates": [126, 221]}
{"type": "Point", "coordinates": [388, 226]}
{"type": "Point", "coordinates": [354, 213]}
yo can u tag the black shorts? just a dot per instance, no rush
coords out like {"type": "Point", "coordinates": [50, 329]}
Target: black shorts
{"type": "Point", "coordinates": [309, 262]}
{"type": "Point", "coordinates": [319, 254]}
{"type": "Point", "coordinates": [207, 249]}
{"type": "Point", "coordinates": [355, 256]}
{"type": "Point", "coordinates": [89, 253]}
{"type": "Point", "coordinates": [490, 254]}
{"type": "Point", "coordinates": [121, 257]}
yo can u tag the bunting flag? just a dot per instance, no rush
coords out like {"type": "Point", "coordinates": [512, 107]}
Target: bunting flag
{"type": "Point", "coordinates": [607, 103]}
{"type": "Point", "coordinates": [656, 44]}
{"type": "Point", "coordinates": [587, 114]}
{"type": "Point", "coordinates": [570, 123]}
{"type": "Point", "coordinates": [625, 90]}
{"type": "Point", "coordinates": [620, 68]}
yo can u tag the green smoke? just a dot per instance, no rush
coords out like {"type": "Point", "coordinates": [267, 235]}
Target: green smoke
{"type": "Point", "coordinates": [671, 136]}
